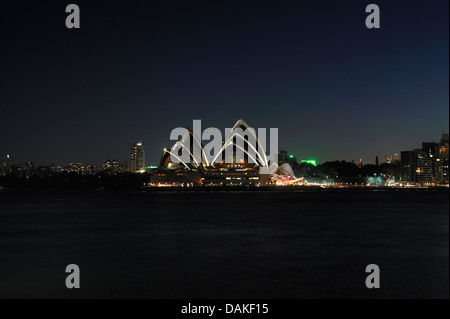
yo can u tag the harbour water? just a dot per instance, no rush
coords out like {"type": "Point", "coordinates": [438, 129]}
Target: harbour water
{"type": "Point", "coordinates": [305, 244]}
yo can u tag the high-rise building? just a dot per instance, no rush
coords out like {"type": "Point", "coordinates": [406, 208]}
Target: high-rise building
{"type": "Point", "coordinates": [5, 164]}
{"type": "Point", "coordinates": [431, 149]}
{"type": "Point", "coordinates": [443, 155]}
{"type": "Point", "coordinates": [282, 157]}
{"type": "Point", "coordinates": [416, 167]}
{"type": "Point", "coordinates": [137, 158]}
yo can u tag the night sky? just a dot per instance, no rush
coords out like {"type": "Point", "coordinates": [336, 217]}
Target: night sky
{"type": "Point", "coordinates": [137, 69]}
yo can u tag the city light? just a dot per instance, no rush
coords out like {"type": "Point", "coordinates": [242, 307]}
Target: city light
{"type": "Point", "coordinates": [310, 161]}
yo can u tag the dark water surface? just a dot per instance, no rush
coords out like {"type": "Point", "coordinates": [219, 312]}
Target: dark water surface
{"type": "Point", "coordinates": [225, 244]}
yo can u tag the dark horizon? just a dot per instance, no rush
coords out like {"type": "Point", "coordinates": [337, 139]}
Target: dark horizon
{"type": "Point", "coordinates": [135, 70]}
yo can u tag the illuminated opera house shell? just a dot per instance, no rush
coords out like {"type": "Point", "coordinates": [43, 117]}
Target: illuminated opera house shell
{"type": "Point", "coordinates": [201, 170]}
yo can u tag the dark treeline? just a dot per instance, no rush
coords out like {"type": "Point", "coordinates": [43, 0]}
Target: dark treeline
{"type": "Point", "coordinates": [337, 171]}
{"type": "Point", "coordinates": [347, 172]}
{"type": "Point", "coordinates": [75, 181]}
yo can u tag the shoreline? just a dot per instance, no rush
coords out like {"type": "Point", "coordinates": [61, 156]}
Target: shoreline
{"type": "Point", "coordinates": [225, 189]}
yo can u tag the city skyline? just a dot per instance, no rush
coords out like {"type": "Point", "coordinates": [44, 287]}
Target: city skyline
{"type": "Point", "coordinates": [138, 155]}
{"type": "Point", "coordinates": [136, 70]}
{"type": "Point", "coordinates": [125, 160]}
{"type": "Point", "coordinates": [419, 167]}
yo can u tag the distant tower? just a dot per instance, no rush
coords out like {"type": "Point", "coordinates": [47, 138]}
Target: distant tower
{"type": "Point", "coordinates": [5, 164]}
{"type": "Point", "coordinates": [416, 167]}
{"type": "Point", "coordinates": [431, 150]}
{"type": "Point", "coordinates": [443, 154]}
{"type": "Point", "coordinates": [282, 157]}
{"type": "Point", "coordinates": [137, 158]}
{"type": "Point", "coordinates": [377, 161]}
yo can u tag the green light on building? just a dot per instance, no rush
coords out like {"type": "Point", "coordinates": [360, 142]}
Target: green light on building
{"type": "Point", "coordinates": [310, 161]}
{"type": "Point", "coordinates": [151, 167]}
{"type": "Point", "coordinates": [291, 156]}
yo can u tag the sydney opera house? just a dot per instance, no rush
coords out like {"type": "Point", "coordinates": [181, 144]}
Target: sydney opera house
{"type": "Point", "coordinates": [252, 169]}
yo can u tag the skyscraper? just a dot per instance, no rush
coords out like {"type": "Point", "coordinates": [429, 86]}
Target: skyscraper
{"type": "Point", "coordinates": [443, 155]}
{"type": "Point", "coordinates": [137, 158]}
{"type": "Point", "coordinates": [431, 149]}
{"type": "Point", "coordinates": [5, 164]}
{"type": "Point", "coordinates": [416, 167]}
{"type": "Point", "coordinates": [282, 157]}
